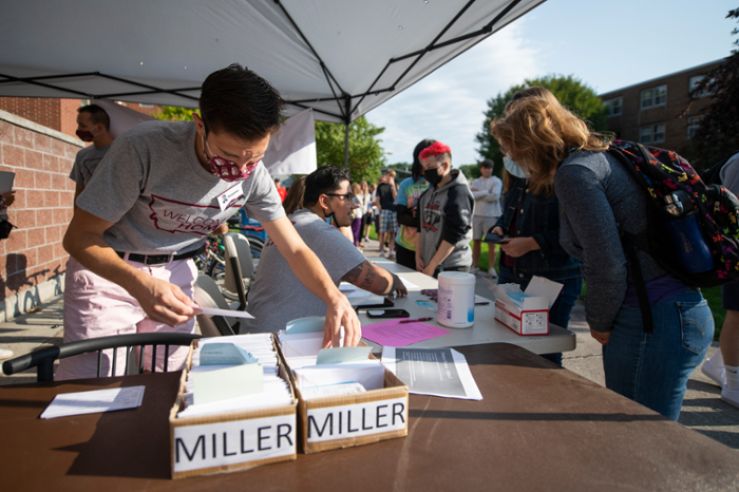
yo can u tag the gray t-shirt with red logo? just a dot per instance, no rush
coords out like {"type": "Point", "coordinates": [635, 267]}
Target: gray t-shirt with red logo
{"type": "Point", "coordinates": [160, 199]}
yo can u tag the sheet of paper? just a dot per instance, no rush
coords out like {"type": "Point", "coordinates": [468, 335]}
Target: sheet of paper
{"type": "Point", "coordinates": [6, 181]}
{"type": "Point", "coordinates": [437, 372]}
{"type": "Point", "coordinates": [231, 313]}
{"type": "Point", "coordinates": [543, 287]}
{"type": "Point", "coordinates": [96, 401]}
{"type": "Point", "coordinates": [369, 373]}
{"type": "Point", "coordinates": [409, 285]}
{"type": "Point", "coordinates": [393, 333]}
{"type": "Point", "coordinates": [343, 354]}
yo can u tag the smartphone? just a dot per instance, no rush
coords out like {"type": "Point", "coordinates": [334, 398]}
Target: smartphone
{"type": "Point", "coordinates": [387, 313]}
{"type": "Point", "coordinates": [491, 237]}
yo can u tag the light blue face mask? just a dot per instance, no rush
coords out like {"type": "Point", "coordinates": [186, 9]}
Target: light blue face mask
{"type": "Point", "coordinates": [513, 168]}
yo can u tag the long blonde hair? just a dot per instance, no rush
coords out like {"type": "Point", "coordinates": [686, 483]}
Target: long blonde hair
{"type": "Point", "coordinates": [538, 132]}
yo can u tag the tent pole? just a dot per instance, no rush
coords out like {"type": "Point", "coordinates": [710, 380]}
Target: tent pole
{"type": "Point", "coordinates": [346, 145]}
{"type": "Point", "coordinates": [347, 124]}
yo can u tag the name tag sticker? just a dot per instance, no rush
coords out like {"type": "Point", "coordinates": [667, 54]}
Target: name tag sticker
{"type": "Point", "coordinates": [229, 196]}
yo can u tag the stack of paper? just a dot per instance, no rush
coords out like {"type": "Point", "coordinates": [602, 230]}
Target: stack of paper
{"type": "Point", "coordinates": [234, 373]}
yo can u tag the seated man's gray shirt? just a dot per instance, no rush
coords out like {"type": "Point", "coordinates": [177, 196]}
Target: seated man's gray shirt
{"type": "Point", "coordinates": [277, 296]}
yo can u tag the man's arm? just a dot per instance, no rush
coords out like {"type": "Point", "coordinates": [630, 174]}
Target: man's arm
{"type": "Point", "coordinates": [308, 269]}
{"type": "Point", "coordinates": [162, 301]}
{"type": "Point", "coordinates": [375, 279]}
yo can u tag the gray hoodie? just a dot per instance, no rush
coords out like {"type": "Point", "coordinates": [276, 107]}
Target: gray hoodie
{"type": "Point", "coordinates": [446, 214]}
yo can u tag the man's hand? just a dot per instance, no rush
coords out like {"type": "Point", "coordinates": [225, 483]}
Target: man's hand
{"type": "Point", "coordinates": [429, 271]}
{"type": "Point", "coordinates": [163, 302]}
{"type": "Point", "coordinates": [601, 336]}
{"type": "Point", "coordinates": [519, 246]}
{"type": "Point", "coordinates": [398, 288]}
{"type": "Point", "coordinates": [340, 313]}
{"type": "Point", "coordinates": [498, 230]}
{"type": "Point", "coordinates": [419, 262]}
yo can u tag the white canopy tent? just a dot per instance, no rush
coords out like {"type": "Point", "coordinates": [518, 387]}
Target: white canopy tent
{"type": "Point", "coordinates": [340, 58]}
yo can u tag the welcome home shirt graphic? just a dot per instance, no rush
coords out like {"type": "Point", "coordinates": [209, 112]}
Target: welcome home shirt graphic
{"type": "Point", "coordinates": [191, 218]}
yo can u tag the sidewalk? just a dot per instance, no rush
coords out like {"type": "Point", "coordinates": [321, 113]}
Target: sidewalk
{"type": "Point", "coordinates": [703, 410]}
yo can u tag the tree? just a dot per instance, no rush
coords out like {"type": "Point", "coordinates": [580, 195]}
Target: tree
{"type": "Point", "coordinates": [717, 137]}
{"type": "Point", "coordinates": [175, 113]}
{"type": "Point", "coordinates": [572, 93]}
{"type": "Point", "coordinates": [366, 156]}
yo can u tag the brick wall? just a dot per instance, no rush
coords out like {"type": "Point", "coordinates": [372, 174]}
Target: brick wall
{"type": "Point", "coordinates": [32, 259]}
{"type": "Point", "coordinates": [44, 111]}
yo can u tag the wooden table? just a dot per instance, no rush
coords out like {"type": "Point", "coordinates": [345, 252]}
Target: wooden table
{"type": "Point", "coordinates": [485, 329]}
{"type": "Point", "coordinates": [538, 428]}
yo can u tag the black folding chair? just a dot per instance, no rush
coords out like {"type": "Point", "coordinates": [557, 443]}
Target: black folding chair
{"type": "Point", "coordinates": [43, 358]}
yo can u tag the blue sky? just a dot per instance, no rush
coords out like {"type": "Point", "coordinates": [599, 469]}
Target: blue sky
{"type": "Point", "coordinates": [606, 44]}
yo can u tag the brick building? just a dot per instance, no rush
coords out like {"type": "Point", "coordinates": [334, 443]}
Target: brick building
{"type": "Point", "coordinates": [659, 111]}
{"type": "Point", "coordinates": [58, 114]}
{"type": "Point", "coordinates": [38, 144]}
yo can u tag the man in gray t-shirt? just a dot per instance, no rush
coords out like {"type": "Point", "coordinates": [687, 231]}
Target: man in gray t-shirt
{"type": "Point", "coordinates": [93, 125]}
{"type": "Point", "coordinates": [277, 296]}
{"type": "Point", "coordinates": [154, 197]}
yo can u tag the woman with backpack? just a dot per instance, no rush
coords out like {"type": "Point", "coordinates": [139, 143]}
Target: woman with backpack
{"type": "Point", "coordinates": [598, 202]}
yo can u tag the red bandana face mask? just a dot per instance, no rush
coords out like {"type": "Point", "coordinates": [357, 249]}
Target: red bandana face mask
{"type": "Point", "coordinates": [225, 169]}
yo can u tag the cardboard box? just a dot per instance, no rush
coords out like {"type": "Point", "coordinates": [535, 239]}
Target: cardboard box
{"type": "Point", "coordinates": [527, 312]}
{"type": "Point", "coordinates": [352, 420]}
{"type": "Point", "coordinates": [532, 319]}
{"type": "Point", "coordinates": [231, 441]}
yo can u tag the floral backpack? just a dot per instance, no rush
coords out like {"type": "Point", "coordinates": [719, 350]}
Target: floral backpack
{"type": "Point", "coordinates": [692, 227]}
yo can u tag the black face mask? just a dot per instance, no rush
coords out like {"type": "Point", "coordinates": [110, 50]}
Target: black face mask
{"type": "Point", "coordinates": [432, 176]}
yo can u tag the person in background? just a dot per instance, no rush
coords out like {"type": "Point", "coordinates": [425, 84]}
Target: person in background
{"type": "Point", "coordinates": [486, 190]}
{"type": "Point", "coordinates": [294, 198]}
{"type": "Point", "coordinates": [598, 200]}
{"type": "Point", "coordinates": [281, 190]}
{"type": "Point", "coordinates": [723, 367]}
{"type": "Point", "coordinates": [409, 191]}
{"type": "Point", "coordinates": [357, 215]}
{"type": "Point", "coordinates": [277, 296]}
{"type": "Point", "coordinates": [530, 224]}
{"type": "Point", "coordinates": [365, 198]}
{"type": "Point", "coordinates": [444, 215]}
{"type": "Point", "coordinates": [385, 201]}
{"type": "Point", "coordinates": [93, 125]}
{"type": "Point", "coordinates": [157, 193]}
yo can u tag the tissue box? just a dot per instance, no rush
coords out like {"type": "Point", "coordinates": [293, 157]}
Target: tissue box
{"type": "Point", "coordinates": [530, 317]}
{"type": "Point", "coordinates": [233, 440]}
{"type": "Point", "coordinates": [527, 312]}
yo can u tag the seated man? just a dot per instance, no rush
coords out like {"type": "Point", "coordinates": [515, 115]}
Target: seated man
{"type": "Point", "coordinates": [277, 296]}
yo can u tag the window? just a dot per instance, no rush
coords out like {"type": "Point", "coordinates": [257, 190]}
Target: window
{"type": "Point", "coordinates": [693, 84]}
{"type": "Point", "coordinates": [656, 96]}
{"type": "Point", "coordinates": [652, 134]}
{"type": "Point", "coordinates": [614, 107]}
{"type": "Point", "coordinates": [694, 122]}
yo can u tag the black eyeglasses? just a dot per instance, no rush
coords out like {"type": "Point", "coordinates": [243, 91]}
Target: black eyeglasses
{"type": "Point", "coordinates": [343, 196]}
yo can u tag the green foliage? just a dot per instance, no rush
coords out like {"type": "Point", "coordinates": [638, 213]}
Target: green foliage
{"type": "Point", "coordinates": [175, 113]}
{"type": "Point", "coordinates": [470, 171]}
{"type": "Point", "coordinates": [572, 93]}
{"type": "Point", "coordinates": [717, 137]}
{"type": "Point", "coordinates": [366, 156]}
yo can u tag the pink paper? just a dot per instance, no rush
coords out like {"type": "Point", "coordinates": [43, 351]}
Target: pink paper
{"type": "Point", "coordinates": [392, 333]}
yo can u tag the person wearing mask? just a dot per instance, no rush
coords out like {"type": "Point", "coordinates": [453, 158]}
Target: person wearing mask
{"type": "Point", "coordinates": [530, 225]}
{"type": "Point", "coordinates": [486, 190]}
{"type": "Point", "coordinates": [444, 215]}
{"type": "Point", "coordinates": [159, 191]}
{"type": "Point", "coordinates": [409, 191]}
{"type": "Point", "coordinates": [93, 126]}
{"type": "Point", "coordinates": [327, 196]}
{"type": "Point", "coordinates": [599, 200]}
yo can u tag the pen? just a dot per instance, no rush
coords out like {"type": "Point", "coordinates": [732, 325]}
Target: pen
{"type": "Point", "coordinates": [414, 320]}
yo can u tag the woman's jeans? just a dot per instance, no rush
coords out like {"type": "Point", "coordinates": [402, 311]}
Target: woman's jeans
{"type": "Point", "coordinates": [559, 313]}
{"type": "Point", "coordinates": [653, 368]}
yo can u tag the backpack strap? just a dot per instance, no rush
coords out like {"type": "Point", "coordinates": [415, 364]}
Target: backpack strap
{"type": "Point", "coordinates": [628, 242]}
